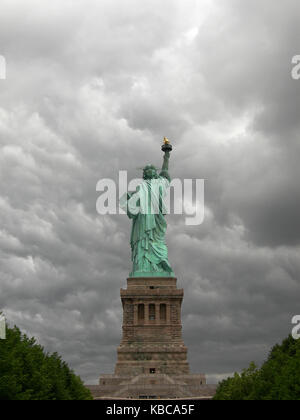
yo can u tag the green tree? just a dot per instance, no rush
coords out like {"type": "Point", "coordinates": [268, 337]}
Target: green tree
{"type": "Point", "coordinates": [28, 373]}
{"type": "Point", "coordinates": [240, 386]}
{"type": "Point", "coordinates": [277, 379]}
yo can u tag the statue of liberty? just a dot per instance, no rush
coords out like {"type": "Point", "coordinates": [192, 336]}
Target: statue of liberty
{"type": "Point", "coordinates": [147, 209]}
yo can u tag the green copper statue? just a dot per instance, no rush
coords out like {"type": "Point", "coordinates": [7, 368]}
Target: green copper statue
{"type": "Point", "coordinates": [147, 209]}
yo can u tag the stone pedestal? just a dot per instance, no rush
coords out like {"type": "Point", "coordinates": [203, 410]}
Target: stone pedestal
{"type": "Point", "coordinates": [152, 357]}
{"type": "Point", "coordinates": [152, 341]}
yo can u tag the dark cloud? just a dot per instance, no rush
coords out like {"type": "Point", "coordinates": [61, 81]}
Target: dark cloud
{"type": "Point", "coordinates": [92, 90]}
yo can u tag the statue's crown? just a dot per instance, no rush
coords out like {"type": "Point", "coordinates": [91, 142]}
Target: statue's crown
{"type": "Point", "coordinates": [150, 167]}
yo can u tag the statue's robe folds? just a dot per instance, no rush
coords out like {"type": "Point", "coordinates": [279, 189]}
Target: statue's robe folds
{"type": "Point", "coordinates": [147, 209]}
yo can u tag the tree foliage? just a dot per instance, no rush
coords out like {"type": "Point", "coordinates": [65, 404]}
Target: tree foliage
{"type": "Point", "coordinates": [277, 379]}
{"type": "Point", "coordinates": [28, 373]}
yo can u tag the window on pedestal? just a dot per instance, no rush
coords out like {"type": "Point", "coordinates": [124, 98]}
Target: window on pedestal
{"type": "Point", "coordinates": [151, 312]}
{"type": "Point", "coordinates": [141, 312]}
{"type": "Point", "coordinates": [163, 312]}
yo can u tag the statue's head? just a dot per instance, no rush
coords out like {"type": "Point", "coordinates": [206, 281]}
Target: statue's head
{"type": "Point", "coordinates": [150, 172]}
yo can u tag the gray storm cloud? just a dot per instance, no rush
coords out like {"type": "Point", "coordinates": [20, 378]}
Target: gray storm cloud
{"type": "Point", "coordinates": [91, 89]}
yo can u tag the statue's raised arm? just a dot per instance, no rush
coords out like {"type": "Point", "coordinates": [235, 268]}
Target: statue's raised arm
{"type": "Point", "coordinates": [166, 148]}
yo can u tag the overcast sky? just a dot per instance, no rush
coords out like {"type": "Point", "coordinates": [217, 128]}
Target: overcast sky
{"type": "Point", "coordinates": [92, 87]}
